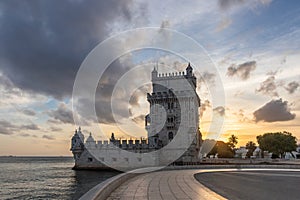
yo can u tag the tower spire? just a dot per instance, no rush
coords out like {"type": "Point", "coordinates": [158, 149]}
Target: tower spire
{"type": "Point", "coordinates": [154, 73]}
{"type": "Point", "coordinates": [189, 70]}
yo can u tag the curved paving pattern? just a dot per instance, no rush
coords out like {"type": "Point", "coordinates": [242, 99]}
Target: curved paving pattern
{"type": "Point", "coordinates": [161, 185]}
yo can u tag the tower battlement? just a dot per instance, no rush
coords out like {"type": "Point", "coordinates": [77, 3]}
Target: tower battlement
{"type": "Point", "coordinates": [122, 144]}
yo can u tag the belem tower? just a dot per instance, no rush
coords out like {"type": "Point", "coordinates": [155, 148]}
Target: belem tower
{"type": "Point", "coordinates": [173, 123]}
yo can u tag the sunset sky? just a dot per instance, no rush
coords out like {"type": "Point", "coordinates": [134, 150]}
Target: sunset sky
{"type": "Point", "coordinates": [255, 45]}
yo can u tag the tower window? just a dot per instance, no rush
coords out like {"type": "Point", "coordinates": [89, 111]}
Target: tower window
{"type": "Point", "coordinates": [171, 135]}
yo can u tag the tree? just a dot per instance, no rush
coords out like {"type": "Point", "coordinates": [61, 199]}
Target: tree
{"type": "Point", "coordinates": [278, 143]}
{"type": "Point", "coordinates": [251, 146]}
{"type": "Point", "coordinates": [222, 149]}
{"type": "Point", "coordinates": [232, 141]}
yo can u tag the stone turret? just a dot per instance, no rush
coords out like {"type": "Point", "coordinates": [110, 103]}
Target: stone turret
{"type": "Point", "coordinates": [154, 73]}
{"type": "Point", "coordinates": [189, 71]}
{"type": "Point", "coordinates": [190, 76]}
{"type": "Point", "coordinates": [77, 145]}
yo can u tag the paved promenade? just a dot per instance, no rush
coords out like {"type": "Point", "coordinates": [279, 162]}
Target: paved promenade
{"type": "Point", "coordinates": [174, 184]}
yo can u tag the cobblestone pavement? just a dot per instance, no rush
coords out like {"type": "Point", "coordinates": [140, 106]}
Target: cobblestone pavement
{"type": "Point", "coordinates": [176, 184]}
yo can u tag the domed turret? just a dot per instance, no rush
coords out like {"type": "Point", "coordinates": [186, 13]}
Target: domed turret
{"type": "Point", "coordinates": [90, 139]}
{"type": "Point", "coordinates": [77, 145]}
{"type": "Point", "coordinates": [90, 142]}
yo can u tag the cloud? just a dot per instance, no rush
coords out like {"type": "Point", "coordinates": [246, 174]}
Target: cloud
{"type": "Point", "coordinates": [225, 23]}
{"type": "Point", "coordinates": [292, 87]}
{"type": "Point", "coordinates": [139, 119]}
{"type": "Point", "coordinates": [55, 129]}
{"type": "Point", "coordinates": [28, 112]}
{"type": "Point", "coordinates": [25, 135]}
{"type": "Point", "coordinates": [275, 110]}
{"type": "Point", "coordinates": [42, 43]}
{"type": "Point", "coordinates": [123, 100]}
{"type": "Point", "coordinates": [137, 94]}
{"type": "Point", "coordinates": [268, 87]}
{"type": "Point", "coordinates": [219, 110]}
{"type": "Point", "coordinates": [226, 4]}
{"type": "Point", "coordinates": [62, 114]}
{"type": "Point", "coordinates": [30, 127]}
{"type": "Point", "coordinates": [6, 83]}
{"type": "Point", "coordinates": [265, 2]}
{"type": "Point", "coordinates": [7, 128]}
{"type": "Point", "coordinates": [48, 137]}
{"type": "Point", "coordinates": [103, 110]}
{"type": "Point", "coordinates": [167, 36]}
{"type": "Point", "coordinates": [208, 78]}
{"type": "Point", "coordinates": [102, 104]}
{"type": "Point", "coordinates": [242, 117]}
{"type": "Point", "coordinates": [5, 131]}
{"type": "Point", "coordinates": [204, 106]}
{"type": "Point", "coordinates": [242, 70]}
{"type": "Point", "coordinates": [272, 73]}
{"type": "Point", "coordinates": [134, 100]}
{"type": "Point", "coordinates": [53, 121]}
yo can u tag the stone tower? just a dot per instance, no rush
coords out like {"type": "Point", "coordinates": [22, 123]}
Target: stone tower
{"type": "Point", "coordinates": [171, 92]}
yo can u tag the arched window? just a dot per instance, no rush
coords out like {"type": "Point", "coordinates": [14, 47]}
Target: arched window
{"type": "Point", "coordinates": [170, 135]}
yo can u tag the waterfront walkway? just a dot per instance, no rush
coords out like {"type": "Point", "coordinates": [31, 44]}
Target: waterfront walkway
{"type": "Point", "coordinates": [174, 184]}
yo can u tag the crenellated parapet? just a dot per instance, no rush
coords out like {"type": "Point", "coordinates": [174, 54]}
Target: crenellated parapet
{"type": "Point", "coordinates": [130, 144]}
{"type": "Point", "coordinates": [171, 75]}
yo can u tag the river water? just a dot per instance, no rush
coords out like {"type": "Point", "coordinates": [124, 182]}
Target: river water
{"type": "Point", "coordinates": [45, 178]}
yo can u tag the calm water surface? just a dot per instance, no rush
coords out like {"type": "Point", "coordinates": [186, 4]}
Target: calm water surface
{"type": "Point", "coordinates": [45, 178]}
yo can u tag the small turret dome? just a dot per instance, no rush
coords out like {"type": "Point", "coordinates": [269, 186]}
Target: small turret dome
{"type": "Point", "coordinates": [90, 138]}
{"type": "Point", "coordinates": [79, 133]}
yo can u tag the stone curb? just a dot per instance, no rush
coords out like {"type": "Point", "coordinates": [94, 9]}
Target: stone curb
{"type": "Point", "coordinates": [233, 166]}
{"type": "Point", "coordinates": [104, 189]}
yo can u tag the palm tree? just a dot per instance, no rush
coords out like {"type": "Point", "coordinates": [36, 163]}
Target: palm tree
{"type": "Point", "coordinates": [232, 141]}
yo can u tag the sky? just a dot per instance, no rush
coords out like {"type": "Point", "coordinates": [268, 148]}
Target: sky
{"type": "Point", "coordinates": [253, 44]}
